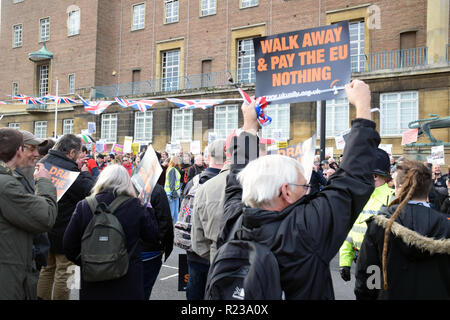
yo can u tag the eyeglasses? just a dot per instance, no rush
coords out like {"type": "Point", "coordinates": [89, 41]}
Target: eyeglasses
{"type": "Point", "coordinates": [30, 147]}
{"type": "Point", "coordinates": [305, 186]}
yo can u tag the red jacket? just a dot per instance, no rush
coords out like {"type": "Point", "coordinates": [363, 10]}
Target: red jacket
{"type": "Point", "coordinates": [129, 167]}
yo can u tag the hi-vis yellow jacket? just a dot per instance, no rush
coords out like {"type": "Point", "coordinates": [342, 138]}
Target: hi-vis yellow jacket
{"type": "Point", "coordinates": [381, 196]}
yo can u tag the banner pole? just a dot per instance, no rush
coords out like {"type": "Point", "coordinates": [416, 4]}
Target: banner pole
{"type": "Point", "coordinates": [323, 122]}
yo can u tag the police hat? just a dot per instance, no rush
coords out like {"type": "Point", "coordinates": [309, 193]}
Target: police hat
{"type": "Point", "coordinates": [382, 163]}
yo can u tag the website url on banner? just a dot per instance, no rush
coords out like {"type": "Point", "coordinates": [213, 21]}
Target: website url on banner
{"type": "Point", "coordinates": [306, 93]}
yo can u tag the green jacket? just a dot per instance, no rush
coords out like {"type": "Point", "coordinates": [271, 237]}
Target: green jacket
{"type": "Point", "coordinates": [21, 215]}
{"type": "Point", "coordinates": [380, 196]}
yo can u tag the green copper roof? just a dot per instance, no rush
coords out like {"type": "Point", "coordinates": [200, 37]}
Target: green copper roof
{"type": "Point", "coordinates": [42, 54]}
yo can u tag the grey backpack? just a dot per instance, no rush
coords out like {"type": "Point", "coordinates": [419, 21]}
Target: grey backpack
{"type": "Point", "coordinates": [104, 254]}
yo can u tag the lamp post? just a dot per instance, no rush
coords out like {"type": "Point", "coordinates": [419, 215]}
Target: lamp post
{"type": "Point", "coordinates": [56, 108]}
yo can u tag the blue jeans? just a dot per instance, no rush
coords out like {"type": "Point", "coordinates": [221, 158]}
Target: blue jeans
{"type": "Point", "coordinates": [198, 274]}
{"type": "Point", "coordinates": [174, 204]}
{"type": "Point", "coordinates": [151, 270]}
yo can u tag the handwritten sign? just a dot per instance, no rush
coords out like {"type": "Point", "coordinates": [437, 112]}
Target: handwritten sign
{"type": "Point", "coordinates": [409, 136]}
{"type": "Point", "coordinates": [117, 149]}
{"type": "Point", "coordinates": [303, 152]}
{"type": "Point", "coordinates": [306, 65]}
{"type": "Point", "coordinates": [437, 155]}
{"type": "Point", "coordinates": [62, 179]}
{"type": "Point", "coordinates": [147, 174]}
{"type": "Point", "coordinates": [128, 141]}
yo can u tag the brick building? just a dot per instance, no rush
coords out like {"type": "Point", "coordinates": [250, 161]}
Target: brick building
{"type": "Point", "coordinates": [189, 49]}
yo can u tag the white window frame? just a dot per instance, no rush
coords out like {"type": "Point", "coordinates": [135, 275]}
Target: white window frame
{"type": "Point", "coordinates": [279, 123]}
{"type": "Point", "coordinates": [44, 72]}
{"type": "Point", "coordinates": [245, 61]}
{"type": "Point", "coordinates": [74, 22]}
{"type": "Point", "coordinates": [332, 129]}
{"type": "Point", "coordinates": [357, 58]}
{"type": "Point", "coordinates": [109, 127]}
{"type": "Point", "coordinates": [72, 83]}
{"type": "Point", "coordinates": [171, 11]}
{"type": "Point", "coordinates": [147, 123]}
{"type": "Point", "coordinates": [17, 35]}
{"type": "Point", "coordinates": [399, 115]}
{"type": "Point", "coordinates": [208, 7]}
{"type": "Point", "coordinates": [14, 125]}
{"type": "Point", "coordinates": [184, 133]}
{"type": "Point", "coordinates": [226, 120]}
{"type": "Point", "coordinates": [248, 3]}
{"type": "Point", "coordinates": [67, 126]}
{"type": "Point", "coordinates": [138, 21]}
{"type": "Point", "coordinates": [44, 29]}
{"type": "Point", "coordinates": [15, 88]}
{"type": "Point", "coordinates": [40, 129]}
{"type": "Point", "coordinates": [170, 70]}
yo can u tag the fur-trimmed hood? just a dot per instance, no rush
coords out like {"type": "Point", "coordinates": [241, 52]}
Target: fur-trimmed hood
{"type": "Point", "coordinates": [423, 230]}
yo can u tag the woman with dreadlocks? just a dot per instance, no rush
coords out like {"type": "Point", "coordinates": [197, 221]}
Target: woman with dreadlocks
{"type": "Point", "coordinates": [406, 251]}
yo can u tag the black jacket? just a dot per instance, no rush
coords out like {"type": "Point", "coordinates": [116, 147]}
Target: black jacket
{"type": "Point", "coordinates": [160, 205]}
{"type": "Point", "coordinates": [306, 235]}
{"type": "Point", "coordinates": [79, 190]}
{"type": "Point", "coordinates": [418, 259]}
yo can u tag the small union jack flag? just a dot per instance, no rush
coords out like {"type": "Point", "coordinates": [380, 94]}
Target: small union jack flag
{"type": "Point", "coordinates": [187, 210]}
{"type": "Point", "coordinates": [261, 104]}
{"type": "Point", "coordinates": [124, 103]}
{"type": "Point", "coordinates": [141, 105]}
{"type": "Point", "coordinates": [27, 100]}
{"type": "Point", "coordinates": [95, 107]}
{"type": "Point", "coordinates": [195, 104]}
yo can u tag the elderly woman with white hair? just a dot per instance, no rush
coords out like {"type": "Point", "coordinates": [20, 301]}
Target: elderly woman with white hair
{"type": "Point", "coordinates": [267, 201]}
{"type": "Point", "coordinates": [138, 223]}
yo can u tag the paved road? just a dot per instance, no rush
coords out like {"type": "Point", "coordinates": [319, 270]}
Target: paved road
{"type": "Point", "coordinates": [166, 286]}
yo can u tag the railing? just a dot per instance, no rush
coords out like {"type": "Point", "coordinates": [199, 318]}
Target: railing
{"type": "Point", "coordinates": [36, 107]}
{"type": "Point", "coordinates": [195, 81]}
{"type": "Point", "coordinates": [395, 59]}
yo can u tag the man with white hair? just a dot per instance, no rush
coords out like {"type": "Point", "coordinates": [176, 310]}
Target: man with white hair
{"type": "Point", "coordinates": [304, 232]}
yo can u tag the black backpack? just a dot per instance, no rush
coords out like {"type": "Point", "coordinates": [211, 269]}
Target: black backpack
{"type": "Point", "coordinates": [104, 255]}
{"type": "Point", "coordinates": [243, 270]}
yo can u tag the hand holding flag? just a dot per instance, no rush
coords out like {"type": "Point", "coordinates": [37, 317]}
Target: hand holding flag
{"type": "Point", "coordinates": [261, 104]}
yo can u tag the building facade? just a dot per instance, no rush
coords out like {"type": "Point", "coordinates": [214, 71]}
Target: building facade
{"type": "Point", "coordinates": [190, 49]}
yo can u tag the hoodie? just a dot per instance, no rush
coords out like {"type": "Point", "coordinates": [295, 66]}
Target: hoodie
{"type": "Point", "coordinates": [418, 258]}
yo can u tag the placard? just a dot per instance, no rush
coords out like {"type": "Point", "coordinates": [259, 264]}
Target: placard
{"type": "Point", "coordinates": [117, 149]}
{"type": "Point", "coordinates": [303, 152]}
{"type": "Point", "coordinates": [62, 179]}
{"type": "Point", "coordinates": [196, 147]}
{"type": "Point", "coordinates": [410, 136]}
{"type": "Point", "coordinates": [91, 127]}
{"type": "Point", "coordinates": [341, 139]}
{"type": "Point", "coordinates": [437, 155]}
{"type": "Point", "coordinates": [386, 147]}
{"type": "Point", "coordinates": [135, 148]}
{"type": "Point", "coordinates": [305, 65]}
{"type": "Point", "coordinates": [147, 174]}
{"type": "Point", "coordinates": [100, 147]}
{"type": "Point", "coordinates": [128, 141]}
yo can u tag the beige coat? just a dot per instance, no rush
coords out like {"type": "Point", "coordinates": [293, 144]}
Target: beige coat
{"type": "Point", "coordinates": [207, 216]}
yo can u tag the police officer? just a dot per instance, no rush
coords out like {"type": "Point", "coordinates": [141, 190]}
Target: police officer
{"type": "Point", "coordinates": [381, 196]}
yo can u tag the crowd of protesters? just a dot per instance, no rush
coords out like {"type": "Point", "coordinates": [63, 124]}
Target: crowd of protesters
{"type": "Point", "coordinates": [370, 208]}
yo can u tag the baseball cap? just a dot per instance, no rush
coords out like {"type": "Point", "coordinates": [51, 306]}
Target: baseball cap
{"type": "Point", "coordinates": [29, 138]}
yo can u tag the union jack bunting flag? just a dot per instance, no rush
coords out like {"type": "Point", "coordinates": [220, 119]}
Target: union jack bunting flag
{"type": "Point", "coordinates": [195, 104]}
{"type": "Point", "coordinates": [3, 102]}
{"type": "Point", "coordinates": [59, 99]}
{"type": "Point", "coordinates": [27, 100]}
{"type": "Point", "coordinates": [95, 107]}
{"type": "Point", "coordinates": [141, 105]}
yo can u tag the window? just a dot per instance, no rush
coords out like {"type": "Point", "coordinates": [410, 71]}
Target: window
{"type": "Point", "coordinates": [397, 110]}
{"type": "Point", "coordinates": [109, 127]}
{"type": "Point", "coordinates": [208, 7]}
{"type": "Point", "coordinates": [43, 79]}
{"type": "Point", "coordinates": [182, 125]}
{"type": "Point", "coordinates": [67, 126]}
{"type": "Point", "coordinates": [135, 81]}
{"type": "Point", "coordinates": [14, 125]}
{"type": "Point", "coordinates": [279, 129]}
{"type": "Point", "coordinates": [246, 61]}
{"type": "Point", "coordinates": [138, 16]}
{"type": "Point", "coordinates": [248, 3]}
{"type": "Point", "coordinates": [40, 129]}
{"type": "Point", "coordinates": [357, 46]}
{"type": "Point", "coordinates": [44, 28]}
{"type": "Point", "coordinates": [74, 22]}
{"type": "Point", "coordinates": [72, 83]}
{"type": "Point", "coordinates": [17, 36]}
{"type": "Point", "coordinates": [171, 11]}
{"type": "Point", "coordinates": [225, 120]}
{"type": "Point", "coordinates": [170, 70]}
{"type": "Point", "coordinates": [15, 89]}
{"type": "Point", "coordinates": [337, 117]}
{"type": "Point", "coordinates": [143, 126]}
